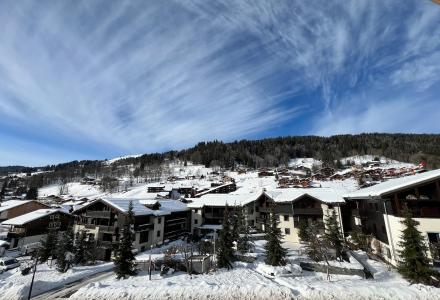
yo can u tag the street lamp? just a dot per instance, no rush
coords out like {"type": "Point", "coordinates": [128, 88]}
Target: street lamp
{"type": "Point", "coordinates": [149, 264]}
{"type": "Point", "coordinates": [33, 276]}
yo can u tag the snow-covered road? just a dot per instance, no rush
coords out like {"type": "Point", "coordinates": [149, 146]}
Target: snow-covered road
{"type": "Point", "coordinates": [67, 290]}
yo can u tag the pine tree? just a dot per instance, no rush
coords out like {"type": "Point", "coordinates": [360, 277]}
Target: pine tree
{"type": "Point", "coordinates": [275, 253]}
{"type": "Point", "coordinates": [65, 246]}
{"type": "Point", "coordinates": [414, 265]}
{"type": "Point", "coordinates": [124, 257]}
{"type": "Point", "coordinates": [80, 248]}
{"type": "Point", "coordinates": [333, 234]}
{"type": "Point", "coordinates": [90, 250]}
{"type": "Point", "coordinates": [316, 247]}
{"type": "Point", "coordinates": [32, 193]}
{"type": "Point", "coordinates": [48, 246]}
{"type": "Point", "coordinates": [3, 190]}
{"type": "Point", "coordinates": [359, 238]}
{"type": "Point", "coordinates": [244, 242]}
{"type": "Point", "coordinates": [84, 249]}
{"type": "Point", "coordinates": [225, 253]}
{"type": "Point", "coordinates": [235, 226]}
{"type": "Point", "coordinates": [303, 233]}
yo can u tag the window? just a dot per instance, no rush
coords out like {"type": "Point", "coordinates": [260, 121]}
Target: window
{"type": "Point", "coordinates": [159, 220]}
{"type": "Point", "coordinates": [143, 237]}
{"type": "Point", "coordinates": [376, 206]}
{"type": "Point", "coordinates": [196, 221]}
{"type": "Point", "coordinates": [196, 211]}
{"type": "Point", "coordinates": [287, 231]}
{"type": "Point", "coordinates": [286, 217]}
{"type": "Point", "coordinates": [158, 234]}
{"type": "Point", "coordinates": [107, 237]}
{"type": "Point", "coordinates": [54, 224]}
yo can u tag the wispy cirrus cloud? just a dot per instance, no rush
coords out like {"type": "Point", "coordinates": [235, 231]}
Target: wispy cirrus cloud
{"type": "Point", "coordinates": [131, 76]}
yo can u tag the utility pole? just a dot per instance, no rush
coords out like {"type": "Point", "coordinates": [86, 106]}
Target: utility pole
{"type": "Point", "coordinates": [33, 276]}
{"type": "Point", "coordinates": [149, 265]}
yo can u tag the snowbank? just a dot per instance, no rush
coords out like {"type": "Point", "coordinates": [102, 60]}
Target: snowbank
{"type": "Point", "coordinates": [287, 270]}
{"type": "Point", "coordinates": [239, 283]}
{"type": "Point", "coordinates": [13, 285]}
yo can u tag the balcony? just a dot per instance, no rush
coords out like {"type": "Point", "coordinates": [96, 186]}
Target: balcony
{"type": "Point", "coordinates": [16, 232]}
{"type": "Point", "coordinates": [104, 228]}
{"type": "Point", "coordinates": [213, 216]}
{"type": "Point", "coordinates": [144, 226]}
{"type": "Point", "coordinates": [98, 214]}
{"type": "Point", "coordinates": [307, 211]}
{"type": "Point", "coordinates": [177, 221]}
{"type": "Point", "coordinates": [105, 244]}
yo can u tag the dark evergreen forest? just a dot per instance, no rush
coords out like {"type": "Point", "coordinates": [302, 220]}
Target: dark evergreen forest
{"type": "Point", "coordinates": [270, 152]}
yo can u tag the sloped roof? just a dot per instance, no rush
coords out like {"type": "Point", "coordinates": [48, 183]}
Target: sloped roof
{"type": "Point", "coordinates": [214, 188]}
{"type": "Point", "coordinates": [169, 206]}
{"type": "Point", "coordinates": [122, 205]}
{"type": "Point", "coordinates": [393, 185]}
{"type": "Point", "coordinates": [223, 199]}
{"type": "Point", "coordinates": [12, 203]}
{"type": "Point", "coordinates": [29, 217]}
{"type": "Point", "coordinates": [139, 205]}
{"type": "Point", "coordinates": [326, 195]}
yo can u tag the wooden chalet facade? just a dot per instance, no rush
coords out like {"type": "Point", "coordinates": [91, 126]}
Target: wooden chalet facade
{"type": "Point", "coordinates": [104, 219]}
{"type": "Point", "coordinates": [292, 206]}
{"type": "Point", "coordinates": [34, 226]}
{"type": "Point", "coordinates": [14, 208]}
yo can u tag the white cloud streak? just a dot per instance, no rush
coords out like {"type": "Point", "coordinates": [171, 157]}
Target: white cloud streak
{"type": "Point", "coordinates": [136, 76]}
{"type": "Point", "coordinates": [137, 79]}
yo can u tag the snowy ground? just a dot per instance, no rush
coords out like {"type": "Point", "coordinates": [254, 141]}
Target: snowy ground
{"type": "Point", "coordinates": [385, 162]}
{"type": "Point", "coordinates": [74, 189]}
{"type": "Point", "coordinates": [239, 283]}
{"type": "Point", "coordinates": [251, 281]}
{"type": "Point", "coordinates": [13, 285]}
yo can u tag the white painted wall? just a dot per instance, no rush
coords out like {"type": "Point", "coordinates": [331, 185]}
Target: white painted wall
{"type": "Point", "coordinates": [394, 231]}
{"type": "Point", "coordinates": [196, 214]}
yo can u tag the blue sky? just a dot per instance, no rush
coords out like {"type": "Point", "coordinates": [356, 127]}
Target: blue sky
{"type": "Point", "coordinates": [98, 79]}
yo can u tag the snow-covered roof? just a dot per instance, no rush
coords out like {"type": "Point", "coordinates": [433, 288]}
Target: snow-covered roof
{"type": "Point", "coordinates": [122, 205]}
{"type": "Point", "coordinates": [215, 188]}
{"type": "Point", "coordinates": [29, 217]}
{"type": "Point", "coordinates": [394, 185]}
{"type": "Point", "coordinates": [169, 206]}
{"type": "Point", "coordinates": [139, 205]}
{"type": "Point", "coordinates": [148, 202]}
{"type": "Point", "coordinates": [326, 195]}
{"type": "Point", "coordinates": [12, 203]}
{"type": "Point", "coordinates": [223, 199]}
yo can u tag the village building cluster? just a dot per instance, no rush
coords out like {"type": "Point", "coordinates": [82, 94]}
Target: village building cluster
{"type": "Point", "coordinates": [371, 196]}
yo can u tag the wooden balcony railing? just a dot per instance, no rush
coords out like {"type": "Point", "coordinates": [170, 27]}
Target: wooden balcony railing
{"type": "Point", "coordinates": [98, 214]}
{"type": "Point", "coordinates": [307, 211]}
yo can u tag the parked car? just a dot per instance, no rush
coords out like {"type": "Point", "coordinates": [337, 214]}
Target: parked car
{"type": "Point", "coordinates": [8, 263]}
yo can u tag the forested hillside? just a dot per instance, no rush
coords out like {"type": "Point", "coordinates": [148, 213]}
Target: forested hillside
{"type": "Point", "coordinates": [258, 153]}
